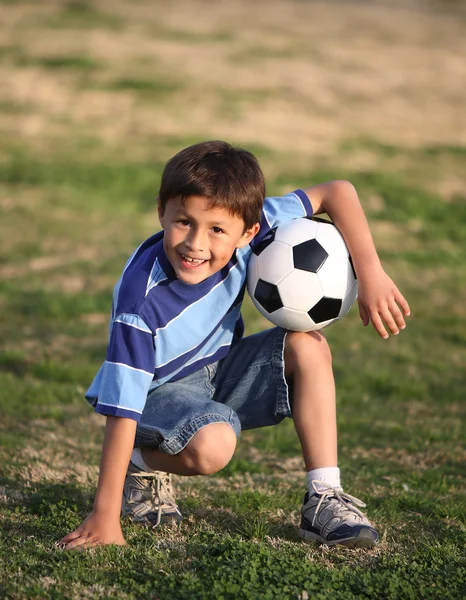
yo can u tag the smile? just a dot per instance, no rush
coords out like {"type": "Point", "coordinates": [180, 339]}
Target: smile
{"type": "Point", "coordinates": [193, 261]}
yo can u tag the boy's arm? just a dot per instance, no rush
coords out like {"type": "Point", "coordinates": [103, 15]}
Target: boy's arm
{"type": "Point", "coordinates": [378, 297]}
{"type": "Point", "coordinates": [102, 526]}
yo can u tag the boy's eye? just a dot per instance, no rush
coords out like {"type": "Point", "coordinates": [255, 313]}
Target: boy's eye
{"type": "Point", "coordinates": [217, 230]}
{"type": "Point", "coordinates": [183, 222]}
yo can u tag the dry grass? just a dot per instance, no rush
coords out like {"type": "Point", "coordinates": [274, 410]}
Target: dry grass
{"type": "Point", "coordinates": [320, 72]}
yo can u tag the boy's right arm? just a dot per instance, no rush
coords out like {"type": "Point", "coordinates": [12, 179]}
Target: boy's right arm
{"type": "Point", "coordinates": [102, 526]}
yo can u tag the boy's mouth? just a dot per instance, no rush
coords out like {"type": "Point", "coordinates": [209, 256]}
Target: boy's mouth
{"type": "Point", "coordinates": [192, 262]}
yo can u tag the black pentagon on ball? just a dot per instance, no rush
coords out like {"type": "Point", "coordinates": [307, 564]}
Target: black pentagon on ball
{"type": "Point", "coordinates": [325, 309]}
{"type": "Point", "coordinates": [268, 296]}
{"type": "Point", "coordinates": [309, 256]}
{"type": "Point", "coordinates": [319, 220]}
{"type": "Point", "coordinates": [265, 241]}
{"type": "Point", "coordinates": [352, 266]}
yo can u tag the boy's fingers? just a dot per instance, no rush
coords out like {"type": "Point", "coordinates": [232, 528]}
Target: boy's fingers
{"type": "Point", "coordinates": [74, 539]}
{"type": "Point", "coordinates": [397, 315]}
{"type": "Point", "coordinates": [378, 325]}
{"type": "Point", "coordinates": [71, 536]}
{"type": "Point", "coordinates": [89, 543]}
{"type": "Point", "coordinates": [363, 314]}
{"type": "Point", "coordinates": [401, 300]}
{"type": "Point", "coordinates": [389, 321]}
{"type": "Point", "coordinates": [79, 542]}
{"type": "Point", "coordinates": [70, 545]}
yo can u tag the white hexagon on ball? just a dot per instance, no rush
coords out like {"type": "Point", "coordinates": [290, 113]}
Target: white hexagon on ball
{"type": "Point", "coordinates": [253, 269]}
{"type": "Point", "coordinates": [300, 290]}
{"type": "Point", "coordinates": [275, 262]}
{"type": "Point", "coordinates": [296, 231]}
{"type": "Point", "coordinates": [333, 275]}
{"type": "Point", "coordinates": [294, 320]}
{"type": "Point", "coordinates": [331, 239]}
{"type": "Point", "coordinates": [349, 299]}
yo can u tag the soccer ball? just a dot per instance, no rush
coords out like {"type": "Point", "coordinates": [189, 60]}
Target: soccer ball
{"type": "Point", "coordinates": [300, 276]}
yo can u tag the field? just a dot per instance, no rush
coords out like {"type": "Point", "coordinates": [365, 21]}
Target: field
{"type": "Point", "coordinates": [95, 96]}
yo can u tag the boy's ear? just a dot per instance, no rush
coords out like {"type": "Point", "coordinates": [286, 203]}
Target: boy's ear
{"type": "Point", "coordinates": [248, 235]}
{"type": "Point", "coordinates": [160, 213]}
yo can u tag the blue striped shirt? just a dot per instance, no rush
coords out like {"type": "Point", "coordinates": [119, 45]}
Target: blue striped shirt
{"type": "Point", "coordinates": [162, 328]}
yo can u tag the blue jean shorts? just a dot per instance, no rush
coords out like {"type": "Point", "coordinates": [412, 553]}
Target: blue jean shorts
{"type": "Point", "coordinates": [246, 389]}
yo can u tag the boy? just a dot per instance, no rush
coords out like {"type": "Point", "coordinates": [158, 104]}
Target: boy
{"type": "Point", "coordinates": [179, 382]}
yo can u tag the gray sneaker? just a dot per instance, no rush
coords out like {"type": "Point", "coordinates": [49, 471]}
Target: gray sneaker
{"type": "Point", "coordinates": [329, 516]}
{"type": "Point", "coordinates": [148, 497]}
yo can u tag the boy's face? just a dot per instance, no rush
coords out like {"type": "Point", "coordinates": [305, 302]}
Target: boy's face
{"type": "Point", "coordinates": [199, 240]}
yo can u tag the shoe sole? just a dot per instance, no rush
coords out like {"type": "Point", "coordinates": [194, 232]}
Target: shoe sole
{"type": "Point", "coordinates": [360, 541]}
{"type": "Point", "coordinates": [166, 519]}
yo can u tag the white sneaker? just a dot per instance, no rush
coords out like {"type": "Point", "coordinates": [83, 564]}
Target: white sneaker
{"type": "Point", "coordinates": [148, 497]}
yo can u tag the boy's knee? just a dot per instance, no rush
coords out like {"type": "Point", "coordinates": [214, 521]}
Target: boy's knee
{"type": "Point", "coordinates": [211, 448]}
{"type": "Point", "coordinates": [302, 347]}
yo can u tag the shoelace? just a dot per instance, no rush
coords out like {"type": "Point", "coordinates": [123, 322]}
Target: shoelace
{"type": "Point", "coordinates": [162, 493]}
{"type": "Point", "coordinates": [346, 501]}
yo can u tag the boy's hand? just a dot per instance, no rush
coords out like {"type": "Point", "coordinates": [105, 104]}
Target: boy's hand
{"type": "Point", "coordinates": [95, 530]}
{"type": "Point", "coordinates": [381, 303]}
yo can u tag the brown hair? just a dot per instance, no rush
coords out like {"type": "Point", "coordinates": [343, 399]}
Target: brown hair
{"type": "Point", "coordinates": [228, 176]}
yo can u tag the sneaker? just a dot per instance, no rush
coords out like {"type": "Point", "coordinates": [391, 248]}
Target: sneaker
{"type": "Point", "coordinates": [329, 516]}
{"type": "Point", "coordinates": [148, 497]}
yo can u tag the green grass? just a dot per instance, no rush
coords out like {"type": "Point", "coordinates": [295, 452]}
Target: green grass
{"type": "Point", "coordinates": [82, 14]}
{"type": "Point", "coordinates": [400, 408]}
{"type": "Point", "coordinates": [189, 36]}
{"type": "Point", "coordinates": [203, 564]}
{"type": "Point", "coordinates": [14, 55]}
{"type": "Point", "coordinates": [78, 62]}
{"type": "Point", "coordinates": [155, 89]}
{"type": "Point", "coordinates": [74, 203]}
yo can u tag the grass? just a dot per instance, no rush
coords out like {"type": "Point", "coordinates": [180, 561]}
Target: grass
{"type": "Point", "coordinates": [409, 459]}
{"type": "Point", "coordinates": [82, 14]}
{"type": "Point", "coordinates": [240, 535]}
{"type": "Point", "coordinates": [75, 200]}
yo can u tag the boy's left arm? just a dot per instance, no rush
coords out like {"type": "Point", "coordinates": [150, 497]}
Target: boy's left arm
{"type": "Point", "coordinates": [379, 299]}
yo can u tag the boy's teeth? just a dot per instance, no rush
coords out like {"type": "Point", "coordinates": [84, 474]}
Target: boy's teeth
{"type": "Point", "coordinates": [194, 260]}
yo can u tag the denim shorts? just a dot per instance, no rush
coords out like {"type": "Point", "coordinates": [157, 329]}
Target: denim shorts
{"type": "Point", "coordinates": [246, 389]}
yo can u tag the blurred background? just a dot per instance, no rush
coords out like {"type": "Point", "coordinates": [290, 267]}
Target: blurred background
{"type": "Point", "coordinates": [96, 95]}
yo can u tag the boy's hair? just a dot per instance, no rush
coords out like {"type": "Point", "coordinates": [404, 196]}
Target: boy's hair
{"type": "Point", "coordinates": [228, 176]}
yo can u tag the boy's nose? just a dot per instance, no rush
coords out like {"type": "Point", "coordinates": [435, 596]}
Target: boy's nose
{"type": "Point", "coordinates": [195, 241]}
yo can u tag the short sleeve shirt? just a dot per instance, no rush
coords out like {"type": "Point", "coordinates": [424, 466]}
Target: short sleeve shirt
{"type": "Point", "coordinates": [162, 329]}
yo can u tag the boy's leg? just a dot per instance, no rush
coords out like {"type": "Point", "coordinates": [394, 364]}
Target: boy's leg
{"type": "Point", "coordinates": [208, 451]}
{"type": "Point", "coordinates": [148, 493]}
{"type": "Point", "coordinates": [308, 368]}
{"type": "Point", "coordinates": [328, 514]}
{"type": "Point", "coordinates": [182, 431]}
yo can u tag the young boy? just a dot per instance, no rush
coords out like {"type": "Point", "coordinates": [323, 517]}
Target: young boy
{"type": "Point", "coordinates": [179, 383]}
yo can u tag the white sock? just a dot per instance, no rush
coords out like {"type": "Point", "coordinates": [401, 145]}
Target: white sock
{"type": "Point", "coordinates": [136, 459]}
{"type": "Point", "coordinates": [328, 475]}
